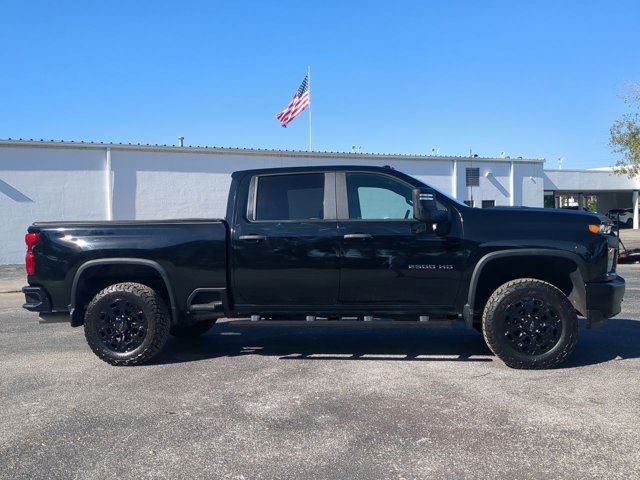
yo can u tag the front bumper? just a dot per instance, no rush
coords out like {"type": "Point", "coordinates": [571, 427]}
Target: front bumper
{"type": "Point", "coordinates": [604, 299]}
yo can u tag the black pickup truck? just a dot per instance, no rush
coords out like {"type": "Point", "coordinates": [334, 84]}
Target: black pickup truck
{"type": "Point", "coordinates": [329, 244]}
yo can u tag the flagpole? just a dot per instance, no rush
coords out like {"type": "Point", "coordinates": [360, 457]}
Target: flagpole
{"type": "Point", "coordinates": [309, 86]}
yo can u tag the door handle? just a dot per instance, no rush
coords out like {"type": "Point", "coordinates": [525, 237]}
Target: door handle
{"type": "Point", "coordinates": [255, 238]}
{"type": "Point", "coordinates": [356, 236]}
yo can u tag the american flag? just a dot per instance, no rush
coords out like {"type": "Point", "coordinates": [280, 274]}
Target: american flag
{"type": "Point", "coordinates": [298, 103]}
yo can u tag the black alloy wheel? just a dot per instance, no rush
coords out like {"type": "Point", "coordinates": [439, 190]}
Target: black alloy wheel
{"type": "Point", "coordinates": [127, 324]}
{"type": "Point", "coordinates": [532, 326]}
{"type": "Point", "coordinates": [122, 326]}
{"type": "Point", "coordinates": [529, 323]}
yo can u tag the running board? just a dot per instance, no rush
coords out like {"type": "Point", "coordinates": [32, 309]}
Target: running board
{"type": "Point", "coordinates": [323, 322]}
{"type": "Point", "coordinates": [353, 318]}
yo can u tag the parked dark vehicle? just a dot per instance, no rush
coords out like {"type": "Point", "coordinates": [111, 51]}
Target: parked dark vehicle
{"type": "Point", "coordinates": [326, 244]}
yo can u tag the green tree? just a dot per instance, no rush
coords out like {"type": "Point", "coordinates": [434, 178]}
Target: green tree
{"type": "Point", "coordinates": [625, 136]}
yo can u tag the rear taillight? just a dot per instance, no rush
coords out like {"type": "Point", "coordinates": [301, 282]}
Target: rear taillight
{"type": "Point", "coordinates": [30, 260]}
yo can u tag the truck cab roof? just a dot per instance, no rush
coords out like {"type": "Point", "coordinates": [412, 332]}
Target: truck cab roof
{"type": "Point", "coordinates": [315, 168]}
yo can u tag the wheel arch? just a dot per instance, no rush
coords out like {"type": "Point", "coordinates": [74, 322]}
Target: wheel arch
{"type": "Point", "coordinates": [77, 313]}
{"type": "Point", "coordinates": [568, 276]}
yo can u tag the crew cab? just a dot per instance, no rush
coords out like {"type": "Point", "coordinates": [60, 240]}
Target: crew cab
{"type": "Point", "coordinates": [330, 243]}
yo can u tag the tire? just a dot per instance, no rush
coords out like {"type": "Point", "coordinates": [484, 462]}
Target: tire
{"type": "Point", "coordinates": [530, 324]}
{"type": "Point", "coordinates": [127, 324]}
{"type": "Point", "coordinates": [192, 330]}
{"type": "Point", "coordinates": [629, 223]}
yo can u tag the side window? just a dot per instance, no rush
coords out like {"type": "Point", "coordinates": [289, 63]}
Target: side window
{"type": "Point", "coordinates": [378, 197]}
{"type": "Point", "coordinates": [290, 197]}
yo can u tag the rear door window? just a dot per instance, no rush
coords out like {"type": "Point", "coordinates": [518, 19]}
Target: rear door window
{"type": "Point", "coordinates": [290, 197]}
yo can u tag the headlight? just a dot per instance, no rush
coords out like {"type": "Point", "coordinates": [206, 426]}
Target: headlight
{"type": "Point", "coordinates": [601, 228]}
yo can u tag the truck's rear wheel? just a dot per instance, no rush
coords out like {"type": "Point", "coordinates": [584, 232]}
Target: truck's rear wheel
{"type": "Point", "coordinates": [192, 330]}
{"type": "Point", "coordinates": [529, 323]}
{"type": "Point", "coordinates": [126, 324]}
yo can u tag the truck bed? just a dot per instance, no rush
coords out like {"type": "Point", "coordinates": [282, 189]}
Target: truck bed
{"type": "Point", "coordinates": [192, 253]}
{"type": "Point", "coordinates": [90, 223]}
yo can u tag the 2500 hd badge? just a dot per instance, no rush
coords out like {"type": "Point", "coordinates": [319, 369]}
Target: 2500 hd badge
{"type": "Point", "coordinates": [430, 267]}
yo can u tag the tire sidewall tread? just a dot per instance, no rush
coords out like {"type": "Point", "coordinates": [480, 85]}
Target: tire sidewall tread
{"type": "Point", "coordinates": [158, 323]}
{"type": "Point", "coordinates": [504, 296]}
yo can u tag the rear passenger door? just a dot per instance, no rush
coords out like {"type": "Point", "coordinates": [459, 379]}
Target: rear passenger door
{"type": "Point", "coordinates": [285, 249]}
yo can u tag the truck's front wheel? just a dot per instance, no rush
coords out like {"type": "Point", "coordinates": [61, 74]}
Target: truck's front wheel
{"type": "Point", "coordinates": [127, 324]}
{"type": "Point", "coordinates": [529, 323]}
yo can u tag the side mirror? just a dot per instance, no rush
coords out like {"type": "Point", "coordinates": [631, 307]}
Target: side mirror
{"type": "Point", "coordinates": [425, 208]}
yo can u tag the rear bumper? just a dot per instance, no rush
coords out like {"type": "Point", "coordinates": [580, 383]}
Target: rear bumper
{"type": "Point", "coordinates": [604, 299]}
{"type": "Point", "coordinates": [36, 299]}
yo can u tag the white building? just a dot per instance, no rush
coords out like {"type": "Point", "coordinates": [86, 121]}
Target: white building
{"type": "Point", "coordinates": [611, 189]}
{"type": "Point", "coordinates": [42, 180]}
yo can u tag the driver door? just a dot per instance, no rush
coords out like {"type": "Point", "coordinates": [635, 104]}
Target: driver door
{"type": "Point", "coordinates": [388, 257]}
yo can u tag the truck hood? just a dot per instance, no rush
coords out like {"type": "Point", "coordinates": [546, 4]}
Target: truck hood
{"type": "Point", "coordinates": [557, 214]}
{"type": "Point", "coordinates": [531, 223]}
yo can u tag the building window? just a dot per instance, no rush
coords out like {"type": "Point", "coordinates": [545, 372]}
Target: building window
{"type": "Point", "coordinates": [488, 203]}
{"type": "Point", "coordinates": [469, 203]}
{"type": "Point", "coordinates": [473, 177]}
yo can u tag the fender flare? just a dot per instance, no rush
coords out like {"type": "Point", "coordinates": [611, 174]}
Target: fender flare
{"type": "Point", "coordinates": [577, 297]}
{"type": "Point", "coordinates": [119, 261]}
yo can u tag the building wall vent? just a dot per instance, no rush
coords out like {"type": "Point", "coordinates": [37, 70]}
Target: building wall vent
{"type": "Point", "coordinates": [473, 177]}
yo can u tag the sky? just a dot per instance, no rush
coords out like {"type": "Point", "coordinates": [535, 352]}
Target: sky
{"type": "Point", "coordinates": [541, 79]}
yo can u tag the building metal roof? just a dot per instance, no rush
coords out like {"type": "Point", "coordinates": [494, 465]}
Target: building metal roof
{"type": "Point", "coordinates": [82, 144]}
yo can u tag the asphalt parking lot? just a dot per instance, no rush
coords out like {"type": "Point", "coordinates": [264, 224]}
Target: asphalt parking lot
{"type": "Point", "coordinates": [267, 402]}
